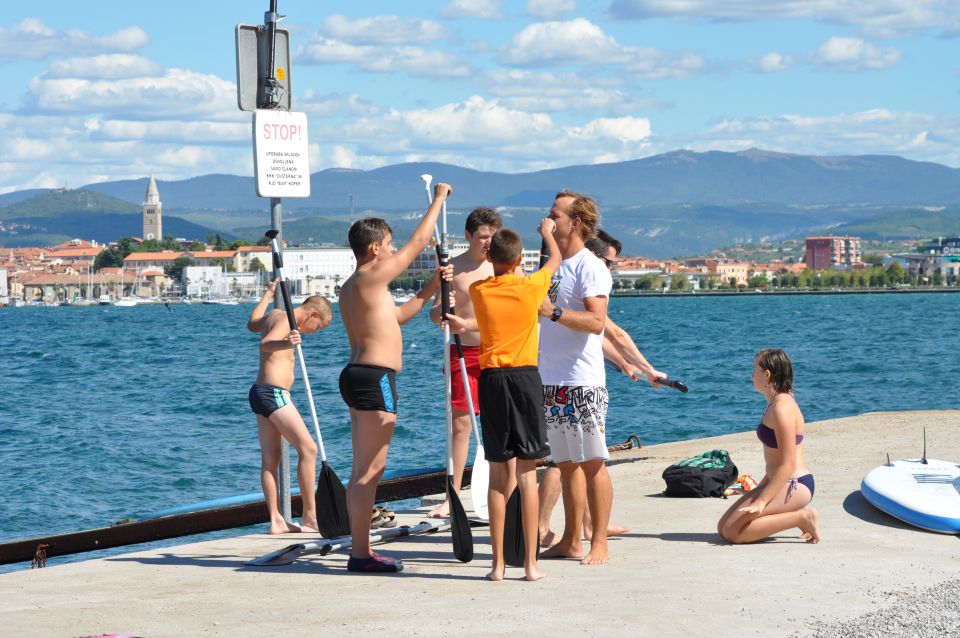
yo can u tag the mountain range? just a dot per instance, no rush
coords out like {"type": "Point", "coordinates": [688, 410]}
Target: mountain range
{"type": "Point", "coordinates": [677, 203]}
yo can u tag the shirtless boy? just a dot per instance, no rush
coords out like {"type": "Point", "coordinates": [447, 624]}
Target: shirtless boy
{"type": "Point", "coordinates": [276, 416]}
{"type": "Point", "coordinates": [469, 267]}
{"type": "Point", "coordinates": [368, 382]}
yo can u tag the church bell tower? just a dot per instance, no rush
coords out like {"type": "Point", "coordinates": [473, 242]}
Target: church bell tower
{"type": "Point", "coordinates": [152, 218]}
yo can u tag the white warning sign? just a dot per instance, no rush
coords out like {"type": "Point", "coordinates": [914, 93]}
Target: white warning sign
{"type": "Point", "coordinates": [280, 154]}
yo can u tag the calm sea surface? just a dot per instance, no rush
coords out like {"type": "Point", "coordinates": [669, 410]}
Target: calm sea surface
{"type": "Point", "coordinates": [108, 413]}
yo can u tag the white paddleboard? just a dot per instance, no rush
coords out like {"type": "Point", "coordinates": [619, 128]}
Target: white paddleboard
{"type": "Point", "coordinates": [923, 495]}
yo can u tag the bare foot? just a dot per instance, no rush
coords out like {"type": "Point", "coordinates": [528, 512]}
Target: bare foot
{"type": "Point", "coordinates": [599, 555]}
{"type": "Point", "coordinates": [811, 525]}
{"type": "Point", "coordinates": [612, 530]}
{"type": "Point", "coordinates": [549, 538]}
{"type": "Point", "coordinates": [533, 573]}
{"type": "Point", "coordinates": [310, 527]}
{"type": "Point", "coordinates": [283, 527]}
{"type": "Point", "coordinates": [495, 574]}
{"type": "Point", "coordinates": [561, 550]}
{"type": "Point", "coordinates": [440, 511]}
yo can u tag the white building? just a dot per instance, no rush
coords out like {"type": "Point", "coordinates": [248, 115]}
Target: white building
{"type": "Point", "coordinates": [317, 271]}
{"type": "Point", "coordinates": [4, 293]}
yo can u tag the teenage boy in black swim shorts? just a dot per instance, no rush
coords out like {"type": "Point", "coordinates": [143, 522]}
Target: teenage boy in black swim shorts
{"type": "Point", "coordinates": [511, 392]}
{"type": "Point", "coordinates": [368, 382]}
{"type": "Point", "coordinates": [269, 399]}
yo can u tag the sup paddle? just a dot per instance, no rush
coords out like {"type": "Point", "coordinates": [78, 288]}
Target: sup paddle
{"type": "Point", "coordinates": [514, 547]}
{"type": "Point", "coordinates": [332, 516]}
{"type": "Point", "coordinates": [480, 474]}
{"type": "Point", "coordinates": [676, 384]}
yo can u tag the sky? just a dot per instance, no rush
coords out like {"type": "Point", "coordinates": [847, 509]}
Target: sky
{"type": "Point", "coordinates": [108, 90]}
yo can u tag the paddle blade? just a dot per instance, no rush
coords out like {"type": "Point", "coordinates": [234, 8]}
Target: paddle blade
{"type": "Point", "coordinates": [332, 516]}
{"type": "Point", "coordinates": [514, 548]}
{"type": "Point", "coordinates": [676, 384]}
{"type": "Point", "coordinates": [459, 526]}
{"type": "Point", "coordinates": [479, 484]}
{"type": "Point", "coordinates": [283, 556]}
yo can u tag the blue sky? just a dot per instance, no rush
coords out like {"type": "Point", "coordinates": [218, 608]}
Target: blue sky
{"type": "Point", "coordinates": [118, 90]}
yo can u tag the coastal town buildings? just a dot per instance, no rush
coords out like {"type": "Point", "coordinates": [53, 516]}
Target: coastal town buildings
{"type": "Point", "coordinates": [826, 252]}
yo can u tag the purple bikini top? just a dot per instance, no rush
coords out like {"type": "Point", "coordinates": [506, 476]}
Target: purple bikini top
{"type": "Point", "coordinates": [769, 438]}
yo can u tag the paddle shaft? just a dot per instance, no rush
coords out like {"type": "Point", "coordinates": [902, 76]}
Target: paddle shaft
{"type": "Point", "coordinates": [292, 319]}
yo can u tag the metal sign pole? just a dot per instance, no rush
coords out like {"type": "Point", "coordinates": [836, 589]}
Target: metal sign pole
{"type": "Point", "coordinates": [284, 473]}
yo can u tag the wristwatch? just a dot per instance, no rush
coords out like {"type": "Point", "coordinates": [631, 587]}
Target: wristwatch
{"type": "Point", "coordinates": [555, 315]}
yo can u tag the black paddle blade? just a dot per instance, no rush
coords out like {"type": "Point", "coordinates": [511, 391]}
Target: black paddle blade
{"type": "Point", "coordinates": [514, 548]}
{"type": "Point", "coordinates": [459, 526]}
{"type": "Point", "coordinates": [675, 384]}
{"type": "Point", "coordinates": [332, 516]}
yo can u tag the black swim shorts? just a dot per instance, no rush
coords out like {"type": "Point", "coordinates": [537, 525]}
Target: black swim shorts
{"type": "Point", "coordinates": [266, 399]}
{"type": "Point", "coordinates": [511, 402]}
{"type": "Point", "coordinates": [365, 387]}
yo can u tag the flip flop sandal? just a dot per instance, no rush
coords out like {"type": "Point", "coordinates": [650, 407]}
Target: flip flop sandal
{"type": "Point", "coordinates": [382, 517]}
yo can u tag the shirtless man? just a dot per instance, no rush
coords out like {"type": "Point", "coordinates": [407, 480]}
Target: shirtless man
{"type": "Point", "coordinates": [469, 267]}
{"type": "Point", "coordinates": [269, 399]}
{"type": "Point", "coordinates": [368, 383]}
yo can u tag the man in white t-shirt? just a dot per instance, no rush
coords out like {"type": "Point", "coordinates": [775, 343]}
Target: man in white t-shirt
{"type": "Point", "coordinates": [574, 379]}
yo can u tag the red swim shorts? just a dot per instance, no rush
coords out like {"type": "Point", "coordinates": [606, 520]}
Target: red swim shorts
{"type": "Point", "coordinates": [471, 356]}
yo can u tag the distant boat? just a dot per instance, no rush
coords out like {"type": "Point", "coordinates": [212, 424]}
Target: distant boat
{"type": "Point", "coordinates": [126, 302]}
{"type": "Point", "coordinates": [403, 296]}
{"type": "Point", "coordinates": [104, 300]}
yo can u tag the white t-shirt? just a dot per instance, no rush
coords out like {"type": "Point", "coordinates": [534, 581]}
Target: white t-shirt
{"type": "Point", "coordinates": [570, 357]}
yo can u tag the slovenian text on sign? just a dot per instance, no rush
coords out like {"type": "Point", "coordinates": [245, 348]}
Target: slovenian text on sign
{"type": "Point", "coordinates": [280, 154]}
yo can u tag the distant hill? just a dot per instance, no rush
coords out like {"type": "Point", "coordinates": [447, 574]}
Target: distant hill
{"type": "Point", "coordinates": [63, 202]}
{"type": "Point", "coordinates": [675, 203]}
{"type": "Point", "coordinates": [679, 177]}
{"type": "Point", "coordinates": [908, 223]}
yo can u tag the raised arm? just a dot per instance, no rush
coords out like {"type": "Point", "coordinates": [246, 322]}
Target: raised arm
{"type": "Point", "coordinates": [547, 226]}
{"type": "Point", "coordinates": [255, 322]}
{"type": "Point", "coordinates": [391, 268]}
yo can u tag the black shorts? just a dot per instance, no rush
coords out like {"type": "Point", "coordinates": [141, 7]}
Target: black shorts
{"type": "Point", "coordinates": [366, 387]}
{"type": "Point", "coordinates": [266, 399]}
{"type": "Point", "coordinates": [511, 402]}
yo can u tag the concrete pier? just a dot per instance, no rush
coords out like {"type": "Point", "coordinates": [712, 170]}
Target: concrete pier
{"type": "Point", "coordinates": [670, 576]}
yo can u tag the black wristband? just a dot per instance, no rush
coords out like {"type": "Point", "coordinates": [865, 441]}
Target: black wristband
{"type": "Point", "coordinates": [555, 315]}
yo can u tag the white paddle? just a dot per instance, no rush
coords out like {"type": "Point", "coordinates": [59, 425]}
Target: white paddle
{"type": "Point", "coordinates": [480, 474]}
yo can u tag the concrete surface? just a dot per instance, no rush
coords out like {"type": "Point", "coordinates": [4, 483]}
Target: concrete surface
{"type": "Point", "coordinates": [670, 576]}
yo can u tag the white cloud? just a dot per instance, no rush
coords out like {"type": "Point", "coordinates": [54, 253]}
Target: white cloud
{"type": "Point", "coordinates": [487, 135]}
{"type": "Point", "coordinates": [654, 64]}
{"type": "Point", "coordinates": [853, 54]}
{"type": "Point", "coordinates": [485, 9]}
{"type": "Point", "coordinates": [577, 41]}
{"type": "Point", "coordinates": [112, 66]}
{"type": "Point", "coordinates": [194, 132]}
{"type": "Point", "coordinates": [772, 62]}
{"type": "Point", "coordinates": [581, 42]}
{"type": "Point", "coordinates": [33, 40]}
{"type": "Point", "coordinates": [552, 92]}
{"type": "Point", "coordinates": [887, 18]}
{"type": "Point", "coordinates": [413, 60]}
{"type": "Point", "coordinates": [335, 104]}
{"type": "Point", "coordinates": [177, 92]}
{"type": "Point", "coordinates": [545, 9]}
{"type": "Point", "coordinates": [383, 30]}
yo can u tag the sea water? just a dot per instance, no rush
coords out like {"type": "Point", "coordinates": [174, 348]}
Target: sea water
{"type": "Point", "coordinates": [111, 413]}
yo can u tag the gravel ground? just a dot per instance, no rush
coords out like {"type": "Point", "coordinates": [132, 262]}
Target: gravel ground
{"type": "Point", "coordinates": [926, 613]}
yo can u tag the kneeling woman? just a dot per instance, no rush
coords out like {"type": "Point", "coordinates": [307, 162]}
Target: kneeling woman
{"type": "Point", "coordinates": [781, 501]}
